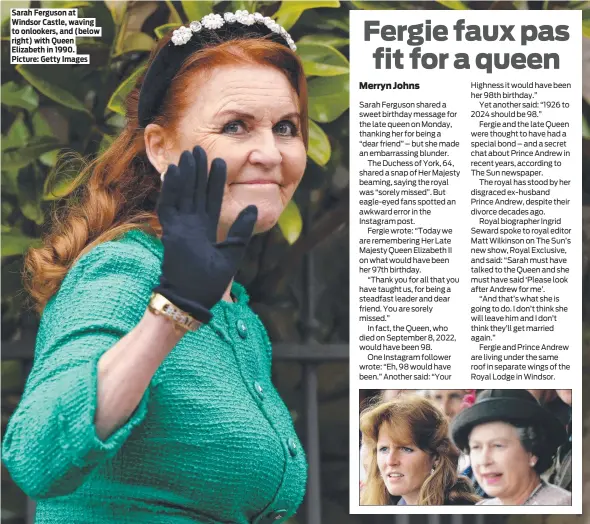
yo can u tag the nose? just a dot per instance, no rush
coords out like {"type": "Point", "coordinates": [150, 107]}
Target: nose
{"type": "Point", "coordinates": [446, 408]}
{"type": "Point", "coordinates": [392, 459]}
{"type": "Point", "coordinates": [265, 152]}
{"type": "Point", "coordinates": [486, 457]}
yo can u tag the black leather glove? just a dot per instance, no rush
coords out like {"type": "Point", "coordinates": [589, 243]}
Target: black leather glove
{"type": "Point", "coordinates": [197, 269]}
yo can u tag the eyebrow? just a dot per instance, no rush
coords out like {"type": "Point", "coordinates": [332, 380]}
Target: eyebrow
{"type": "Point", "coordinates": [495, 439]}
{"type": "Point", "coordinates": [247, 116]}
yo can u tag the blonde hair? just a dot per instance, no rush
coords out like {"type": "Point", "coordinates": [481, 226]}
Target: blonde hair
{"type": "Point", "coordinates": [417, 419]}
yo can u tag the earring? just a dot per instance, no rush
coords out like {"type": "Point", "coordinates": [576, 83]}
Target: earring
{"type": "Point", "coordinates": [162, 175]}
{"type": "Point", "coordinates": [533, 462]}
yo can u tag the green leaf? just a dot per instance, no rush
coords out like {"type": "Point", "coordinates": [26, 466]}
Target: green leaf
{"type": "Point", "coordinates": [30, 190]}
{"type": "Point", "coordinates": [585, 128]}
{"type": "Point", "coordinates": [5, 29]}
{"type": "Point", "coordinates": [10, 182]}
{"type": "Point", "coordinates": [319, 149]}
{"type": "Point", "coordinates": [248, 5]}
{"type": "Point", "coordinates": [42, 128]}
{"type": "Point", "coordinates": [117, 100]}
{"type": "Point", "coordinates": [328, 98]}
{"type": "Point", "coordinates": [55, 93]}
{"type": "Point", "coordinates": [289, 12]}
{"type": "Point", "coordinates": [196, 10]}
{"type": "Point", "coordinates": [116, 122]}
{"type": "Point", "coordinates": [290, 222]}
{"type": "Point", "coordinates": [134, 42]}
{"type": "Point", "coordinates": [60, 189]}
{"type": "Point", "coordinates": [452, 4]}
{"type": "Point", "coordinates": [324, 38]}
{"type": "Point", "coordinates": [322, 60]}
{"type": "Point", "coordinates": [5, 7]}
{"type": "Point", "coordinates": [163, 30]}
{"type": "Point", "coordinates": [174, 16]}
{"type": "Point", "coordinates": [63, 180]}
{"type": "Point", "coordinates": [14, 95]}
{"type": "Point", "coordinates": [117, 10]}
{"type": "Point", "coordinates": [17, 135]}
{"type": "Point", "coordinates": [7, 209]}
{"type": "Point", "coordinates": [586, 28]}
{"type": "Point", "coordinates": [372, 6]}
{"type": "Point", "coordinates": [15, 243]}
{"type": "Point", "coordinates": [16, 158]}
{"type": "Point", "coordinates": [57, 4]}
{"type": "Point", "coordinates": [105, 143]}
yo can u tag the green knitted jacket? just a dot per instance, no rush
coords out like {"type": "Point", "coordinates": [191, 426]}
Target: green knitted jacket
{"type": "Point", "coordinates": [210, 442]}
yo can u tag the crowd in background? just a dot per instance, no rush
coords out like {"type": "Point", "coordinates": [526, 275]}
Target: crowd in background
{"type": "Point", "coordinates": [460, 447]}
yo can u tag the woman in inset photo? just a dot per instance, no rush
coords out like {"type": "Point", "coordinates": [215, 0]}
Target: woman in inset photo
{"type": "Point", "coordinates": [150, 398]}
{"type": "Point", "coordinates": [511, 440]}
{"type": "Point", "coordinates": [410, 457]}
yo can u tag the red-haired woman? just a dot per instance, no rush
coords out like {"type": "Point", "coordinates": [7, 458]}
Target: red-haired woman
{"type": "Point", "coordinates": [150, 398]}
{"type": "Point", "coordinates": [410, 457]}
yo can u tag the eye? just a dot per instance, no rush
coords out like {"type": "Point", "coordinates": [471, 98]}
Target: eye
{"type": "Point", "coordinates": [383, 449]}
{"type": "Point", "coordinates": [407, 450]}
{"type": "Point", "coordinates": [286, 128]}
{"type": "Point", "coordinates": [472, 448]}
{"type": "Point", "coordinates": [498, 445]}
{"type": "Point", "coordinates": [234, 127]}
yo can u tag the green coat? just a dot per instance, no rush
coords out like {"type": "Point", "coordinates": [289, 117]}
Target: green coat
{"type": "Point", "coordinates": [210, 442]}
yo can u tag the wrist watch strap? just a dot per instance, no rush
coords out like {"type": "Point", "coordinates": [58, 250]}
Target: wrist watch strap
{"type": "Point", "coordinates": [160, 305]}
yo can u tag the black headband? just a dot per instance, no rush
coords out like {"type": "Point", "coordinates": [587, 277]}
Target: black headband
{"type": "Point", "coordinates": [210, 31]}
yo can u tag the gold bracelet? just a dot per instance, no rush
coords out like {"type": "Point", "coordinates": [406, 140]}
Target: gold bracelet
{"type": "Point", "coordinates": [160, 305]}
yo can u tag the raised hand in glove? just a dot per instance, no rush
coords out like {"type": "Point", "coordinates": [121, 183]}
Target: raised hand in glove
{"type": "Point", "coordinates": [197, 269]}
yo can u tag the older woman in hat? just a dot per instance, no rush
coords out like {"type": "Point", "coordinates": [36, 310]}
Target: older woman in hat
{"type": "Point", "coordinates": [511, 440]}
{"type": "Point", "coordinates": [410, 457]}
{"type": "Point", "coordinates": [150, 399]}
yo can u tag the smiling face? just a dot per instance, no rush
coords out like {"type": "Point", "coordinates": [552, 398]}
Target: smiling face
{"type": "Point", "coordinates": [248, 116]}
{"type": "Point", "coordinates": [500, 463]}
{"type": "Point", "coordinates": [402, 465]}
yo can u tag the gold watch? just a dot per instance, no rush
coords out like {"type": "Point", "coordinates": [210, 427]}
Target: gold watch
{"type": "Point", "coordinates": [160, 305]}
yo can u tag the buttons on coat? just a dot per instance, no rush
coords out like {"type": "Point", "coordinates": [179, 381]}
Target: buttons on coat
{"type": "Point", "coordinates": [293, 447]}
{"type": "Point", "coordinates": [258, 389]}
{"type": "Point", "coordinates": [242, 328]}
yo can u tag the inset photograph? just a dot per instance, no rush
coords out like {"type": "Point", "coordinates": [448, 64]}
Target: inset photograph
{"type": "Point", "coordinates": [500, 447]}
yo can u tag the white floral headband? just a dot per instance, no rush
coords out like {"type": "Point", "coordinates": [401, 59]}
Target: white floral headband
{"type": "Point", "coordinates": [172, 55]}
{"type": "Point", "coordinates": [212, 21]}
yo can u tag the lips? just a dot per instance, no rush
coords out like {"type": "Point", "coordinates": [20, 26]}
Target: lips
{"type": "Point", "coordinates": [256, 182]}
{"type": "Point", "coordinates": [491, 478]}
{"type": "Point", "coordinates": [394, 476]}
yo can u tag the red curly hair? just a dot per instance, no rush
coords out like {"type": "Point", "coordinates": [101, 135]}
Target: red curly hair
{"type": "Point", "coordinates": [118, 190]}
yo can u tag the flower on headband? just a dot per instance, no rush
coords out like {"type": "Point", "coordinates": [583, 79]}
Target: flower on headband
{"type": "Point", "coordinates": [230, 18]}
{"type": "Point", "coordinates": [245, 18]}
{"type": "Point", "coordinates": [212, 21]}
{"type": "Point", "coordinates": [195, 27]}
{"type": "Point", "coordinates": [181, 35]}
